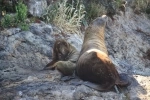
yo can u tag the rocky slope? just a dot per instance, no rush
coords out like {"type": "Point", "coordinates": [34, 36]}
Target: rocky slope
{"type": "Point", "coordinates": [24, 53]}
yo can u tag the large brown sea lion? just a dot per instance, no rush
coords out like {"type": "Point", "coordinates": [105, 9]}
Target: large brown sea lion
{"type": "Point", "coordinates": [64, 57]}
{"type": "Point", "coordinates": [93, 64]}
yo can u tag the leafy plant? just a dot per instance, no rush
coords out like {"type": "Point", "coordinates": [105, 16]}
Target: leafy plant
{"type": "Point", "coordinates": [66, 16]}
{"type": "Point", "coordinates": [8, 21]}
{"type": "Point", "coordinates": [23, 26]}
{"type": "Point", "coordinates": [21, 11]}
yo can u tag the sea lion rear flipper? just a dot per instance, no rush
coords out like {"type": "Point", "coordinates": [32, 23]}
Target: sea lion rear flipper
{"type": "Point", "coordinates": [99, 87]}
{"type": "Point", "coordinates": [123, 80]}
{"type": "Point", "coordinates": [88, 84]}
{"type": "Point", "coordinates": [94, 86]}
{"type": "Point", "coordinates": [67, 78]}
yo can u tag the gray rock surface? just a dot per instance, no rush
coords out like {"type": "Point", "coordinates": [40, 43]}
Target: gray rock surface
{"type": "Point", "coordinates": [24, 53]}
{"type": "Point", "coordinates": [37, 7]}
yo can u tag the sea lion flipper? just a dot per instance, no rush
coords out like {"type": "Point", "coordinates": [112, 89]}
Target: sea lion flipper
{"type": "Point", "coordinates": [76, 83]}
{"type": "Point", "coordinates": [50, 66]}
{"type": "Point", "coordinates": [67, 78]}
{"type": "Point", "coordinates": [88, 84]}
{"type": "Point", "coordinates": [94, 86]}
{"type": "Point", "coordinates": [123, 80]}
{"type": "Point", "coordinates": [65, 67]}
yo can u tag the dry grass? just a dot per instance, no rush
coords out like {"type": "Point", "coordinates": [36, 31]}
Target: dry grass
{"type": "Point", "coordinates": [94, 10]}
{"type": "Point", "coordinates": [142, 5]}
{"type": "Point", "coordinates": [66, 17]}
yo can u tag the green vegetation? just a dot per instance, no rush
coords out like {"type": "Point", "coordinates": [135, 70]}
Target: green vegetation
{"type": "Point", "coordinates": [68, 15]}
{"type": "Point", "coordinates": [21, 16]}
{"type": "Point", "coordinates": [7, 21]}
{"type": "Point", "coordinates": [118, 3]}
{"type": "Point", "coordinates": [50, 13]}
{"type": "Point", "coordinates": [23, 26]}
{"type": "Point", "coordinates": [21, 12]}
{"type": "Point", "coordinates": [142, 5]}
{"type": "Point", "coordinates": [18, 19]}
{"type": "Point", "coordinates": [94, 10]}
{"type": "Point", "coordinates": [65, 16]}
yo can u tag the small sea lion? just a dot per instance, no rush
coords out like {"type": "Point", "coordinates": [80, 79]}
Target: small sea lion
{"type": "Point", "coordinates": [93, 64]}
{"type": "Point", "coordinates": [64, 58]}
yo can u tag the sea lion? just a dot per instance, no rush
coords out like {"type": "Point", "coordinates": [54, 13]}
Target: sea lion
{"type": "Point", "coordinates": [64, 58]}
{"type": "Point", "coordinates": [93, 64]}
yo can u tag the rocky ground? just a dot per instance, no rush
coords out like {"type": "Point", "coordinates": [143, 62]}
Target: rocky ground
{"type": "Point", "coordinates": [24, 53]}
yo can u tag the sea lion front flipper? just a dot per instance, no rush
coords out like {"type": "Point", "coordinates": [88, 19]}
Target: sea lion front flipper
{"type": "Point", "coordinates": [50, 66]}
{"type": "Point", "coordinates": [67, 68]}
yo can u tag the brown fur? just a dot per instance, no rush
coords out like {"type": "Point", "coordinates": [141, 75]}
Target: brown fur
{"type": "Point", "coordinates": [64, 58]}
{"type": "Point", "coordinates": [93, 64]}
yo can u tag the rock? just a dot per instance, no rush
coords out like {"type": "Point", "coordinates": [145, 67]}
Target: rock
{"type": "Point", "coordinates": [37, 7]}
{"type": "Point", "coordinates": [128, 46]}
{"type": "Point", "coordinates": [25, 51]}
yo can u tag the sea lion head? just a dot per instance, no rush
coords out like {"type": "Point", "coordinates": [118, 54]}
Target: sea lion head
{"type": "Point", "coordinates": [61, 52]}
{"type": "Point", "coordinates": [100, 21]}
{"type": "Point", "coordinates": [62, 49]}
{"type": "Point", "coordinates": [96, 28]}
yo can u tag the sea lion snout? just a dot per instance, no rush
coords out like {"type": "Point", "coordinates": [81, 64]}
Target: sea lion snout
{"type": "Point", "coordinates": [100, 21]}
{"type": "Point", "coordinates": [62, 49]}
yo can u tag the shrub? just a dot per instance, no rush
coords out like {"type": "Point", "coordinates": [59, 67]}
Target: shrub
{"type": "Point", "coordinates": [21, 11]}
{"type": "Point", "coordinates": [66, 16]}
{"type": "Point", "coordinates": [118, 3]}
{"type": "Point", "coordinates": [142, 5]}
{"type": "Point", "coordinates": [51, 12]}
{"type": "Point", "coordinates": [94, 10]}
{"type": "Point", "coordinates": [7, 5]}
{"type": "Point", "coordinates": [23, 26]}
{"type": "Point", "coordinates": [148, 9]}
{"type": "Point", "coordinates": [9, 20]}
